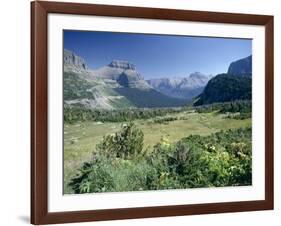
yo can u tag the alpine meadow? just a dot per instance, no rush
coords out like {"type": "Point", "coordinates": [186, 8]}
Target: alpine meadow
{"type": "Point", "coordinates": [154, 112]}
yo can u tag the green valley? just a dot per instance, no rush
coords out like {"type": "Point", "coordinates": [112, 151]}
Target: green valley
{"type": "Point", "coordinates": [81, 138]}
{"type": "Point", "coordinates": [124, 132]}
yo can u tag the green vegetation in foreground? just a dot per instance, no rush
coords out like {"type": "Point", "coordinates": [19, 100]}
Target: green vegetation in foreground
{"type": "Point", "coordinates": [80, 139]}
{"type": "Point", "coordinates": [120, 163]}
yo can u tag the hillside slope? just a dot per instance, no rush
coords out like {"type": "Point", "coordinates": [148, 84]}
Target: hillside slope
{"type": "Point", "coordinates": [225, 87]}
{"type": "Point", "coordinates": [235, 85]}
{"type": "Point", "coordinates": [116, 85]}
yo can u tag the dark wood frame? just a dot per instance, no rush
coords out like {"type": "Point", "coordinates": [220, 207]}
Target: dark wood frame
{"type": "Point", "coordinates": [39, 107]}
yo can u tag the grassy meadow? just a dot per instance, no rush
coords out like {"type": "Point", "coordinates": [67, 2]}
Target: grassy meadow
{"type": "Point", "coordinates": [82, 137]}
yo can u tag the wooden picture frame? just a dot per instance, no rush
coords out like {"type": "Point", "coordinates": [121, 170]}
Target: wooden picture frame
{"type": "Point", "coordinates": [39, 112]}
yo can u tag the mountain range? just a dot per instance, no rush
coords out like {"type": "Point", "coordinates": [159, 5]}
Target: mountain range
{"type": "Point", "coordinates": [116, 85]}
{"type": "Point", "coordinates": [185, 87]}
{"type": "Point", "coordinates": [120, 85]}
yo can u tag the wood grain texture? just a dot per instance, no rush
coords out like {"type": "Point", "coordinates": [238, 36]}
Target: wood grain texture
{"type": "Point", "coordinates": [269, 113]}
{"type": "Point", "coordinates": [39, 109]}
{"type": "Point", "coordinates": [39, 117]}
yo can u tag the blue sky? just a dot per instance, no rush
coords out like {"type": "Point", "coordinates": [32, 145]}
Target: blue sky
{"type": "Point", "coordinates": [158, 56]}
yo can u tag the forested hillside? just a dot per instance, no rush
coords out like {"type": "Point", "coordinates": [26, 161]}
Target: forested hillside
{"type": "Point", "coordinates": [224, 88]}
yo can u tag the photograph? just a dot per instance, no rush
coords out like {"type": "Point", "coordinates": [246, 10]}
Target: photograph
{"type": "Point", "coordinates": [146, 112]}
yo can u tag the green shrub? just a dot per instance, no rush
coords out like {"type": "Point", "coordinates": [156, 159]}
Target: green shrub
{"type": "Point", "coordinates": [93, 177]}
{"type": "Point", "coordinates": [125, 144]}
{"type": "Point", "coordinates": [120, 164]}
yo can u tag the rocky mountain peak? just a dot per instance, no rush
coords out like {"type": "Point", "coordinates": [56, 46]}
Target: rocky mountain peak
{"type": "Point", "coordinates": [72, 62]}
{"type": "Point", "coordinates": [122, 64]}
{"type": "Point", "coordinates": [181, 87]}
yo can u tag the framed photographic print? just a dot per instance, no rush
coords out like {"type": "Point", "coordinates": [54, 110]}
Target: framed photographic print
{"type": "Point", "coordinates": [147, 112]}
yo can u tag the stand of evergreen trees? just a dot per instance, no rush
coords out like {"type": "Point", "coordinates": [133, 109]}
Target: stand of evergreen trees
{"type": "Point", "coordinates": [76, 114]}
{"type": "Point", "coordinates": [241, 106]}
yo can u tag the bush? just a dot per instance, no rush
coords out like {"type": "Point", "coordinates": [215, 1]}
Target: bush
{"type": "Point", "coordinates": [120, 164]}
{"type": "Point", "coordinates": [93, 177]}
{"type": "Point", "coordinates": [125, 144]}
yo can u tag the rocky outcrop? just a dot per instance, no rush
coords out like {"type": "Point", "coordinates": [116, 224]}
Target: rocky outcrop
{"type": "Point", "coordinates": [72, 62]}
{"type": "Point", "coordinates": [123, 72]}
{"type": "Point", "coordinates": [125, 65]}
{"type": "Point", "coordinates": [242, 67]}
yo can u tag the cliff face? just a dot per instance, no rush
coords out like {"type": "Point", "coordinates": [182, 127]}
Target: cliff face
{"type": "Point", "coordinates": [123, 72]}
{"type": "Point", "coordinates": [73, 62]}
{"type": "Point", "coordinates": [122, 64]}
{"type": "Point", "coordinates": [242, 67]}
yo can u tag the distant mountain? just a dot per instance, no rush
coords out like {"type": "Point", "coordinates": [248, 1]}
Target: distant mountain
{"type": "Point", "coordinates": [185, 88]}
{"type": "Point", "coordinates": [242, 67]}
{"type": "Point", "coordinates": [124, 73]}
{"type": "Point", "coordinates": [224, 88]}
{"type": "Point", "coordinates": [116, 85]}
